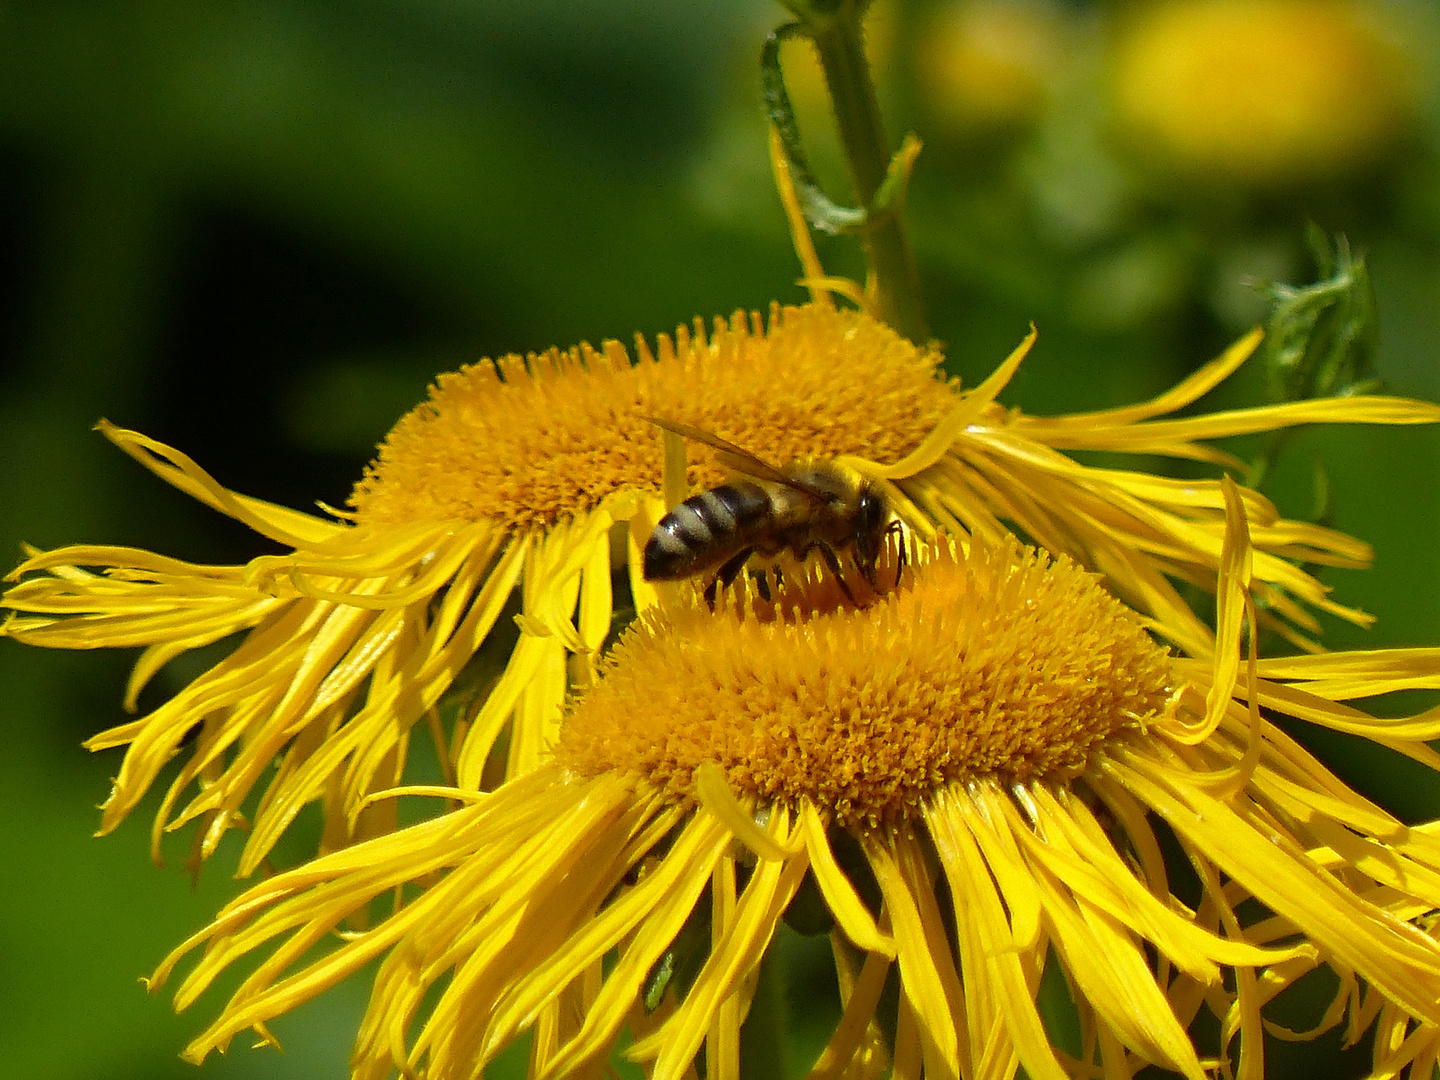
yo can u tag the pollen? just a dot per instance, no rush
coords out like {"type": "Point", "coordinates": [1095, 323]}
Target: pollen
{"type": "Point", "coordinates": [982, 663]}
{"type": "Point", "coordinates": [535, 440]}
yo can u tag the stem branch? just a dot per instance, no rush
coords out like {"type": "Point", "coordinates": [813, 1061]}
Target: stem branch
{"type": "Point", "coordinates": [839, 41]}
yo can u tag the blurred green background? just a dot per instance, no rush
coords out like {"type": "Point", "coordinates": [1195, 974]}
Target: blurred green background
{"type": "Point", "coordinates": [256, 230]}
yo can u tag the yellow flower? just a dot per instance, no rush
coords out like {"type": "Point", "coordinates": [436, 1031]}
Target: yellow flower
{"type": "Point", "coordinates": [542, 475]}
{"type": "Point", "coordinates": [984, 751]}
{"type": "Point", "coordinates": [1261, 90]}
{"type": "Point", "coordinates": [985, 64]}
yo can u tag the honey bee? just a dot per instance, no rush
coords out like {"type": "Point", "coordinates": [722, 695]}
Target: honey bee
{"type": "Point", "coordinates": [807, 505]}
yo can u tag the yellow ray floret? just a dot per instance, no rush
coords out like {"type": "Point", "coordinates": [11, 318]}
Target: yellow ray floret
{"type": "Point", "coordinates": [549, 905]}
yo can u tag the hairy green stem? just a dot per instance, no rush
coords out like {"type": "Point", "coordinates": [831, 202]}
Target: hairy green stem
{"type": "Point", "coordinates": [835, 28]}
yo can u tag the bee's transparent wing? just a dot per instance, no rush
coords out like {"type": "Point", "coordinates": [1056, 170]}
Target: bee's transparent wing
{"type": "Point", "coordinates": [734, 457]}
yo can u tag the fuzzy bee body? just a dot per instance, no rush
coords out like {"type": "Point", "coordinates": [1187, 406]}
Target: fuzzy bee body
{"type": "Point", "coordinates": [706, 530]}
{"type": "Point", "coordinates": [804, 506]}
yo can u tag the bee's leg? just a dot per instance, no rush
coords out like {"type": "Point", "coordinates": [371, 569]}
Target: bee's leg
{"type": "Point", "coordinates": [731, 570]}
{"type": "Point", "coordinates": [899, 530]}
{"type": "Point", "coordinates": [727, 575]}
{"type": "Point", "coordinates": [764, 585]}
{"type": "Point", "coordinates": [833, 561]}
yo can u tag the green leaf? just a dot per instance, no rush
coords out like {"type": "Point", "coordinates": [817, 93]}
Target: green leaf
{"type": "Point", "coordinates": [1321, 338]}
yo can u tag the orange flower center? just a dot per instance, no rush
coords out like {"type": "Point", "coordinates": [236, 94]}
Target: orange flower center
{"type": "Point", "coordinates": [532, 441]}
{"type": "Point", "coordinates": [982, 663]}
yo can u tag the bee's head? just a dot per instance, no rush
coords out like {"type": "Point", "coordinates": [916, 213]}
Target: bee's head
{"type": "Point", "coordinates": [870, 530]}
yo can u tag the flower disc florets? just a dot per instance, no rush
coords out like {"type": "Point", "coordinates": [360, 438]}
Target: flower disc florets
{"type": "Point", "coordinates": [982, 662]}
{"type": "Point", "coordinates": [532, 441]}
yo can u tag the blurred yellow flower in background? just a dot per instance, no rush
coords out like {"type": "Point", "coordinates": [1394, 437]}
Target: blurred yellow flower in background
{"type": "Point", "coordinates": [1261, 91]}
{"type": "Point", "coordinates": [984, 64]}
{"type": "Point", "coordinates": [969, 770]}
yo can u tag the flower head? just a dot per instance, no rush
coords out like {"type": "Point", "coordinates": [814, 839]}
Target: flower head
{"type": "Point", "coordinates": [985, 65]}
{"type": "Point", "coordinates": [792, 704]}
{"type": "Point", "coordinates": [1261, 91]}
{"type": "Point", "coordinates": [512, 475]}
{"type": "Point", "coordinates": [537, 442]}
{"type": "Point", "coordinates": [538, 477]}
{"type": "Point", "coordinates": [991, 767]}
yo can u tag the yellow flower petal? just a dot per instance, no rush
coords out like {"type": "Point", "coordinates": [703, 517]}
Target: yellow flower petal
{"type": "Point", "coordinates": [999, 974]}
{"type": "Point", "coordinates": [928, 980]}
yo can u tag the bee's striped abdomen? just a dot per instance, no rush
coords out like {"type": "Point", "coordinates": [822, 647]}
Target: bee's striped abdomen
{"type": "Point", "coordinates": [705, 530]}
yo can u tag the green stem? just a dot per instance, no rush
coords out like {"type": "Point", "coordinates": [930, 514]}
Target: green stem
{"type": "Point", "coordinates": [840, 43]}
